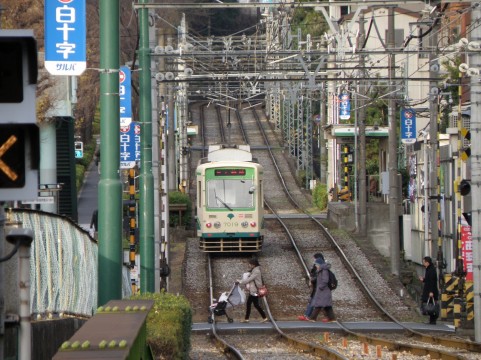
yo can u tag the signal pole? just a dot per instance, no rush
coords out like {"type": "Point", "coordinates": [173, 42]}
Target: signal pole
{"type": "Point", "coordinates": [146, 179]}
{"type": "Point", "coordinates": [110, 187]}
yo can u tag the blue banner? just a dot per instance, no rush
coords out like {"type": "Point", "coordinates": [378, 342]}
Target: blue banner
{"type": "Point", "coordinates": [129, 145]}
{"type": "Point", "coordinates": [344, 106]}
{"type": "Point", "coordinates": [65, 37]}
{"type": "Point", "coordinates": [125, 92]}
{"type": "Point", "coordinates": [408, 126]}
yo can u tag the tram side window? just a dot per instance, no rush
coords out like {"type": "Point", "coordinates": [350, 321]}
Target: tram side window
{"type": "Point", "coordinates": [229, 194]}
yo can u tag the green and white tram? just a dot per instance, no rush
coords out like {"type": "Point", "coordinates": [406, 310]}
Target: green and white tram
{"type": "Point", "coordinates": [230, 201]}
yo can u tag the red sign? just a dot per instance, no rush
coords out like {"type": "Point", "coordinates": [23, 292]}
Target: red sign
{"type": "Point", "coordinates": [467, 251]}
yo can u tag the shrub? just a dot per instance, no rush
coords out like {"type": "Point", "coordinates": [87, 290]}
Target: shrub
{"type": "Point", "coordinates": [169, 325]}
{"type": "Point", "coordinates": [320, 196]}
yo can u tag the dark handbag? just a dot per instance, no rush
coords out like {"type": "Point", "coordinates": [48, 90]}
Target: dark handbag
{"type": "Point", "coordinates": [430, 308]}
{"type": "Point", "coordinates": [262, 291]}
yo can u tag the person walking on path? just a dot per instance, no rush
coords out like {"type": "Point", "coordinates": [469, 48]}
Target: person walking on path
{"type": "Point", "coordinates": [322, 299]}
{"type": "Point", "coordinates": [94, 223]}
{"type": "Point", "coordinates": [318, 258]}
{"type": "Point", "coordinates": [252, 282]}
{"type": "Point", "coordinates": [430, 288]}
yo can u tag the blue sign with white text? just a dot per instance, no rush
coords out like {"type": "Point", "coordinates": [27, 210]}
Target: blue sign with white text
{"type": "Point", "coordinates": [129, 145]}
{"type": "Point", "coordinates": [344, 106]}
{"type": "Point", "coordinates": [65, 37]}
{"type": "Point", "coordinates": [125, 94]}
{"type": "Point", "coordinates": [408, 126]}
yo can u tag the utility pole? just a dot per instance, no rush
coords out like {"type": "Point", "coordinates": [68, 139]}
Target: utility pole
{"type": "Point", "coordinates": [475, 61]}
{"type": "Point", "coordinates": [146, 179]}
{"type": "Point", "coordinates": [393, 171]}
{"type": "Point", "coordinates": [362, 134]}
{"type": "Point", "coordinates": [433, 134]}
{"type": "Point", "coordinates": [110, 186]}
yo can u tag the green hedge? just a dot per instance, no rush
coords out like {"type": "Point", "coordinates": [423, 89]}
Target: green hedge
{"type": "Point", "coordinates": [320, 196]}
{"type": "Point", "coordinates": [169, 325]}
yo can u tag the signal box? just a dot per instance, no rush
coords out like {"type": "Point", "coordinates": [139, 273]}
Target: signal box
{"type": "Point", "coordinates": [19, 136]}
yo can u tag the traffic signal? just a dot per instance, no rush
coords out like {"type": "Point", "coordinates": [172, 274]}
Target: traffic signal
{"type": "Point", "coordinates": [19, 137]}
{"type": "Point", "coordinates": [464, 187]}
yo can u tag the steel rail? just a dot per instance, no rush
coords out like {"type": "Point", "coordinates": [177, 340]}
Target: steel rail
{"type": "Point", "coordinates": [226, 348]}
{"type": "Point", "coordinates": [392, 345]}
{"type": "Point", "coordinates": [319, 350]}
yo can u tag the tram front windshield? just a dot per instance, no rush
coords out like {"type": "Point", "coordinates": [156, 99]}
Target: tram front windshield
{"type": "Point", "coordinates": [229, 194]}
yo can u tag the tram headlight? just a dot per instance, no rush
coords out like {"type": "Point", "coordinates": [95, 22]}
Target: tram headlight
{"type": "Point", "coordinates": [217, 224]}
{"type": "Point", "coordinates": [244, 224]}
{"type": "Point", "coordinates": [208, 225]}
{"type": "Point", "coordinates": [253, 224]}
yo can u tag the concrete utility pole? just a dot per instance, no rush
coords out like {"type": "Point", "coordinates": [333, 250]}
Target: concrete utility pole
{"type": "Point", "coordinates": [146, 189]}
{"type": "Point", "coordinates": [433, 134]}
{"type": "Point", "coordinates": [393, 171]}
{"type": "Point", "coordinates": [171, 157]}
{"type": "Point", "coordinates": [110, 186]}
{"type": "Point", "coordinates": [475, 61]}
{"type": "Point", "coordinates": [362, 134]}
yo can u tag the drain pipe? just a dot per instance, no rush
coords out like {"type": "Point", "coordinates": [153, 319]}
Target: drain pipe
{"type": "Point", "coordinates": [22, 239]}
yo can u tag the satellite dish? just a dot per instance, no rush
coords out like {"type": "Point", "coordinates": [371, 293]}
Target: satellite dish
{"type": "Point", "coordinates": [169, 76]}
{"type": "Point", "coordinates": [159, 77]}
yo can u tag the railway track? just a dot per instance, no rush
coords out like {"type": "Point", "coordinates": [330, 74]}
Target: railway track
{"type": "Point", "coordinates": [275, 246]}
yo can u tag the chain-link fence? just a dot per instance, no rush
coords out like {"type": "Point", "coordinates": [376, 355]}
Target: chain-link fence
{"type": "Point", "coordinates": [63, 264]}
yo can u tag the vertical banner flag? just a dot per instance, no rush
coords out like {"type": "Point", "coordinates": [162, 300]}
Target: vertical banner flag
{"type": "Point", "coordinates": [344, 106]}
{"type": "Point", "coordinates": [467, 250]}
{"type": "Point", "coordinates": [408, 126]}
{"type": "Point", "coordinates": [65, 37]}
{"type": "Point", "coordinates": [129, 145]}
{"type": "Point", "coordinates": [125, 92]}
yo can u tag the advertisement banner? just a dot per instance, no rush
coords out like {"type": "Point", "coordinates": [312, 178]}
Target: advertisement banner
{"type": "Point", "coordinates": [467, 250]}
{"type": "Point", "coordinates": [408, 126]}
{"type": "Point", "coordinates": [129, 145]}
{"type": "Point", "coordinates": [125, 94]}
{"type": "Point", "coordinates": [344, 106]}
{"type": "Point", "coordinates": [65, 37]}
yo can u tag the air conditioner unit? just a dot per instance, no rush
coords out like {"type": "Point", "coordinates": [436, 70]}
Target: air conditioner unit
{"type": "Point", "coordinates": [169, 76]}
{"type": "Point", "coordinates": [188, 72]}
{"type": "Point", "coordinates": [159, 50]}
{"type": "Point", "coordinates": [159, 77]}
{"type": "Point", "coordinates": [169, 49]}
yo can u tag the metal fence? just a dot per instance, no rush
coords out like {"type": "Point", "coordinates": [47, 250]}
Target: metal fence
{"type": "Point", "coordinates": [63, 264]}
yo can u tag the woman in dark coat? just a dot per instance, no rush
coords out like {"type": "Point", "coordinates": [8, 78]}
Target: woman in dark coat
{"type": "Point", "coordinates": [322, 299]}
{"type": "Point", "coordinates": [430, 288]}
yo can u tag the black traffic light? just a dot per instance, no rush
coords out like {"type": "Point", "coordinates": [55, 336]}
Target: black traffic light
{"type": "Point", "coordinates": [19, 137]}
{"type": "Point", "coordinates": [464, 187]}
